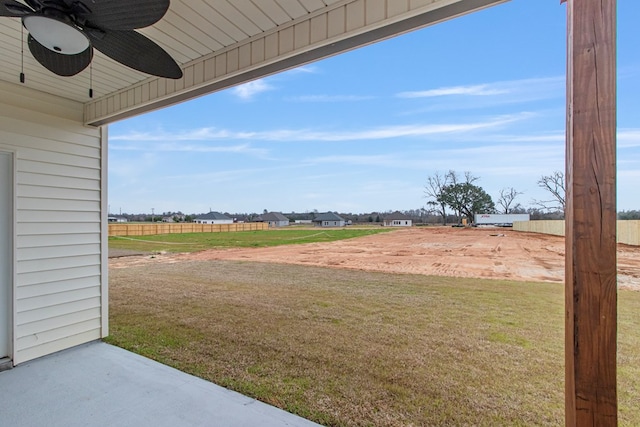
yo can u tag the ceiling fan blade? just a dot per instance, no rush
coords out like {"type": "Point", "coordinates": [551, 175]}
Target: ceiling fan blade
{"type": "Point", "coordinates": [136, 51]}
{"type": "Point", "coordinates": [120, 14]}
{"type": "Point", "coordinates": [13, 9]}
{"type": "Point", "coordinates": [60, 64]}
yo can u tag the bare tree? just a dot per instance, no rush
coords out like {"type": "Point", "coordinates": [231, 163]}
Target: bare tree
{"type": "Point", "coordinates": [555, 185]}
{"type": "Point", "coordinates": [507, 198]}
{"type": "Point", "coordinates": [433, 191]}
{"type": "Point", "coordinates": [469, 178]}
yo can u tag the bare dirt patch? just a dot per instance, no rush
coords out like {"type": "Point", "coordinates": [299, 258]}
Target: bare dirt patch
{"type": "Point", "coordinates": [491, 253]}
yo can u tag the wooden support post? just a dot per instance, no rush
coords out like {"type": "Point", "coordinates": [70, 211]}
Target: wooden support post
{"type": "Point", "coordinates": [591, 289]}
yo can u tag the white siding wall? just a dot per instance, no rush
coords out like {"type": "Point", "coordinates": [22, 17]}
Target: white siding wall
{"type": "Point", "coordinates": [59, 252]}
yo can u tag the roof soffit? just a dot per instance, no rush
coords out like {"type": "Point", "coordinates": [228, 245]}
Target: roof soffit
{"type": "Point", "coordinates": [222, 43]}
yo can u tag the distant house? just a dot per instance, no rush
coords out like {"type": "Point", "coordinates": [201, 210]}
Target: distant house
{"type": "Point", "coordinates": [117, 218]}
{"type": "Point", "coordinates": [275, 219]}
{"type": "Point", "coordinates": [213, 218]}
{"type": "Point", "coordinates": [329, 219]}
{"type": "Point", "coordinates": [397, 219]}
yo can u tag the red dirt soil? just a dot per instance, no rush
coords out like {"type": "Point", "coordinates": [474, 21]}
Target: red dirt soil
{"type": "Point", "coordinates": [491, 253]}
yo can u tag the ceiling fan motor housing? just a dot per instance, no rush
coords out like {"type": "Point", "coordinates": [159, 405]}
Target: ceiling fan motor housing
{"type": "Point", "coordinates": [56, 31]}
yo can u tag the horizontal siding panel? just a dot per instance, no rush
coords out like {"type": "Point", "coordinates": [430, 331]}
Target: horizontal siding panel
{"type": "Point", "coordinates": [58, 205]}
{"type": "Point", "coordinates": [23, 318]}
{"type": "Point", "coordinates": [26, 165]}
{"type": "Point", "coordinates": [21, 104]}
{"type": "Point", "coordinates": [57, 158]}
{"type": "Point", "coordinates": [47, 288]}
{"type": "Point", "coordinates": [57, 263]}
{"type": "Point", "coordinates": [72, 273]}
{"type": "Point", "coordinates": [33, 143]}
{"type": "Point", "coordinates": [45, 126]}
{"type": "Point", "coordinates": [56, 228]}
{"type": "Point", "coordinates": [19, 98]}
{"type": "Point", "coordinates": [56, 240]}
{"type": "Point", "coordinates": [29, 178]}
{"type": "Point", "coordinates": [38, 327]}
{"type": "Point", "coordinates": [53, 300]}
{"type": "Point", "coordinates": [45, 337]}
{"type": "Point", "coordinates": [57, 193]}
{"type": "Point", "coordinates": [55, 252]}
{"type": "Point", "coordinates": [27, 216]}
{"type": "Point", "coordinates": [53, 335]}
{"type": "Point", "coordinates": [23, 355]}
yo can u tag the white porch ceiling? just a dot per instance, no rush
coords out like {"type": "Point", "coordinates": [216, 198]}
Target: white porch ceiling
{"type": "Point", "coordinates": [221, 43]}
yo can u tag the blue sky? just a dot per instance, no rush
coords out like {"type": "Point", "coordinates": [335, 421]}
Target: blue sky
{"type": "Point", "coordinates": [362, 131]}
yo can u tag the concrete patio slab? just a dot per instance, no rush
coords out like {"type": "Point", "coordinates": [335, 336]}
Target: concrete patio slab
{"type": "Point", "coordinates": [98, 384]}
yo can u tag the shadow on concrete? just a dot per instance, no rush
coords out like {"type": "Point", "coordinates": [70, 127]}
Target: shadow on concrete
{"type": "Point", "coordinates": [98, 384]}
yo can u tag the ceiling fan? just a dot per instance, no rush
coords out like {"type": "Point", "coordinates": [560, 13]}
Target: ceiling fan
{"type": "Point", "coordinates": [63, 33]}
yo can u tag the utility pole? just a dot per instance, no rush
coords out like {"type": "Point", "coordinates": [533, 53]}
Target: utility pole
{"type": "Point", "coordinates": [152, 215]}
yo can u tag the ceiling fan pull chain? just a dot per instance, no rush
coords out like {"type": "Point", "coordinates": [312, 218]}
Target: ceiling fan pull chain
{"type": "Point", "coordinates": [90, 80]}
{"type": "Point", "coordinates": [22, 54]}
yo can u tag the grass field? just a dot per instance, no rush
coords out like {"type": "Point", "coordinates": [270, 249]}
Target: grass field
{"type": "Point", "coordinates": [353, 348]}
{"type": "Point", "coordinates": [191, 242]}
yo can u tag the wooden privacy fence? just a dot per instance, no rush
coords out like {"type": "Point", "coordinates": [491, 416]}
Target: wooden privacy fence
{"type": "Point", "coordinates": [628, 231]}
{"type": "Point", "coordinates": [542, 227]}
{"type": "Point", "coordinates": [121, 229]}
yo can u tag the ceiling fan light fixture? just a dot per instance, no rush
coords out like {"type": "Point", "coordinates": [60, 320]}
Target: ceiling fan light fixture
{"type": "Point", "coordinates": [55, 34]}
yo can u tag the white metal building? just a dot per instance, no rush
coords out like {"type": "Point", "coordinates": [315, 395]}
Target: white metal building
{"type": "Point", "coordinates": [505, 220]}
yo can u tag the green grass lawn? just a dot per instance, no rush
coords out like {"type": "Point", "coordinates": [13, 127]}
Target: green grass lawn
{"type": "Point", "coordinates": [190, 242]}
{"type": "Point", "coordinates": [354, 348]}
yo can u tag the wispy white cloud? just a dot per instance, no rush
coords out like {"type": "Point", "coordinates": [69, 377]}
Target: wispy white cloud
{"type": "Point", "coordinates": [306, 69]}
{"type": "Point", "coordinates": [486, 95]}
{"type": "Point", "coordinates": [476, 90]}
{"type": "Point", "coordinates": [630, 174]}
{"type": "Point", "coordinates": [293, 135]}
{"type": "Point", "coordinates": [628, 138]}
{"type": "Point", "coordinates": [496, 159]}
{"type": "Point", "coordinates": [329, 98]}
{"type": "Point", "coordinates": [404, 131]}
{"type": "Point", "coordinates": [359, 159]}
{"type": "Point", "coordinates": [249, 90]}
{"type": "Point", "coordinates": [186, 179]}
{"type": "Point", "coordinates": [543, 137]}
{"type": "Point", "coordinates": [189, 148]}
{"type": "Point", "coordinates": [200, 134]}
